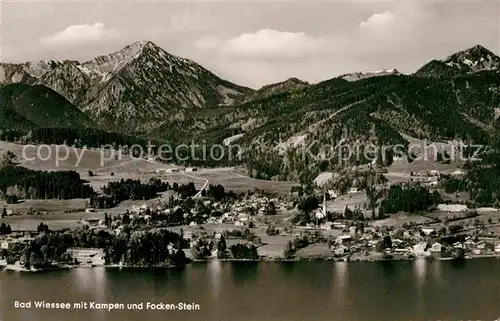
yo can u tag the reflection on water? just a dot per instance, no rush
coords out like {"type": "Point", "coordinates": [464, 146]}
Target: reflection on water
{"type": "Point", "coordinates": [341, 282]}
{"type": "Point", "coordinates": [341, 275]}
{"type": "Point", "coordinates": [419, 270]}
{"type": "Point", "coordinates": [244, 272]}
{"type": "Point", "coordinates": [214, 272]}
{"type": "Point", "coordinates": [459, 264]}
{"type": "Point", "coordinates": [436, 268]}
{"type": "Point", "coordinates": [243, 291]}
{"type": "Point", "coordinates": [164, 280]}
{"type": "Point", "coordinates": [288, 267]}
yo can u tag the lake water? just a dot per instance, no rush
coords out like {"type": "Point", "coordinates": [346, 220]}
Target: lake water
{"type": "Point", "coordinates": [385, 291]}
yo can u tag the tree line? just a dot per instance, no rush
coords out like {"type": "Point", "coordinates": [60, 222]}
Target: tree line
{"type": "Point", "coordinates": [129, 189]}
{"type": "Point", "coordinates": [22, 183]}
{"type": "Point", "coordinates": [409, 198]}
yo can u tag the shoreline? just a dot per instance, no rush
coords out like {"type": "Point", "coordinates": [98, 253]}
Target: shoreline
{"type": "Point", "coordinates": [18, 268]}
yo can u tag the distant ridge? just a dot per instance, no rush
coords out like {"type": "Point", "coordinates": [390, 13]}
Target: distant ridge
{"type": "Point", "coordinates": [468, 61]}
{"type": "Point", "coordinates": [288, 85]}
{"type": "Point", "coordinates": [25, 106]}
{"type": "Point", "coordinates": [131, 90]}
{"type": "Point", "coordinates": [368, 74]}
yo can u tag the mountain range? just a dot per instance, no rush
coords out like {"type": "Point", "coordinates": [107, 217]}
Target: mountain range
{"type": "Point", "coordinates": [131, 90]}
{"type": "Point", "coordinates": [145, 91]}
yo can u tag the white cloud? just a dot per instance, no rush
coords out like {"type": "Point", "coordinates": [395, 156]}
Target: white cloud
{"type": "Point", "coordinates": [267, 44]}
{"type": "Point", "coordinates": [77, 35]}
{"type": "Point", "coordinates": [379, 22]}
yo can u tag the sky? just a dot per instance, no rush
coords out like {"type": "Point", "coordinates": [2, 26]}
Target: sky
{"type": "Point", "coordinates": [254, 43]}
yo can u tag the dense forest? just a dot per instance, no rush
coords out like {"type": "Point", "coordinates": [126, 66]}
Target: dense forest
{"type": "Point", "coordinates": [147, 247]}
{"type": "Point", "coordinates": [409, 198]}
{"type": "Point", "coordinates": [129, 189]}
{"type": "Point", "coordinates": [482, 178]}
{"type": "Point", "coordinates": [22, 183]}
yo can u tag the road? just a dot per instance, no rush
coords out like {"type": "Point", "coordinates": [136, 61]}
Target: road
{"type": "Point", "coordinates": [190, 176]}
{"type": "Point", "coordinates": [202, 188]}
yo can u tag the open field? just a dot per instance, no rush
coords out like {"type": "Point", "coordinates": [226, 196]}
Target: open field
{"type": "Point", "coordinates": [104, 165]}
{"type": "Point", "coordinates": [350, 200]}
{"type": "Point", "coordinates": [53, 206]}
{"type": "Point", "coordinates": [31, 223]}
{"type": "Point", "coordinates": [317, 250]}
{"type": "Point", "coordinates": [60, 157]}
{"type": "Point", "coordinates": [397, 220]}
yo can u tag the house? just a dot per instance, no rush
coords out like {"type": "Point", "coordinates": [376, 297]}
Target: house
{"type": "Point", "coordinates": [332, 194]}
{"type": "Point", "coordinates": [407, 234]}
{"type": "Point", "coordinates": [436, 248]}
{"type": "Point", "coordinates": [188, 235]}
{"type": "Point", "coordinates": [340, 250]}
{"type": "Point", "coordinates": [481, 245]}
{"type": "Point", "coordinates": [339, 225]}
{"type": "Point", "coordinates": [93, 256]}
{"type": "Point", "coordinates": [469, 244]}
{"type": "Point", "coordinates": [434, 172]}
{"type": "Point", "coordinates": [243, 217]}
{"type": "Point", "coordinates": [352, 190]}
{"type": "Point", "coordinates": [397, 242]}
{"type": "Point", "coordinates": [402, 251]}
{"type": "Point", "coordinates": [326, 226]}
{"type": "Point", "coordinates": [85, 251]}
{"type": "Point", "coordinates": [433, 183]}
{"type": "Point", "coordinates": [428, 231]}
{"type": "Point", "coordinates": [4, 245]}
{"type": "Point", "coordinates": [420, 249]}
{"type": "Point", "coordinates": [452, 208]}
{"type": "Point", "coordinates": [342, 239]}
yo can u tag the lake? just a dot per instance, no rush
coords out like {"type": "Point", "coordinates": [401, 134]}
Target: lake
{"type": "Point", "coordinates": [398, 290]}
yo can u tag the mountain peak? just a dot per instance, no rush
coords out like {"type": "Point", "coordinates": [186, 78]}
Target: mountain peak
{"type": "Point", "coordinates": [477, 53]}
{"type": "Point", "coordinates": [368, 74]}
{"type": "Point", "coordinates": [104, 65]}
{"type": "Point", "coordinates": [467, 61]}
{"type": "Point", "coordinates": [141, 45]}
{"type": "Point", "coordinates": [291, 84]}
{"type": "Point", "coordinates": [295, 80]}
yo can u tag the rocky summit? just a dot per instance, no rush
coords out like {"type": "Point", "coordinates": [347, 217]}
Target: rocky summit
{"type": "Point", "coordinates": [131, 90]}
{"type": "Point", "coordinates": [471, 60]}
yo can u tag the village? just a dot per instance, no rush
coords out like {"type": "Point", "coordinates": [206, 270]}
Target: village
{"type": "Point", "coordinates": [270, 224]}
